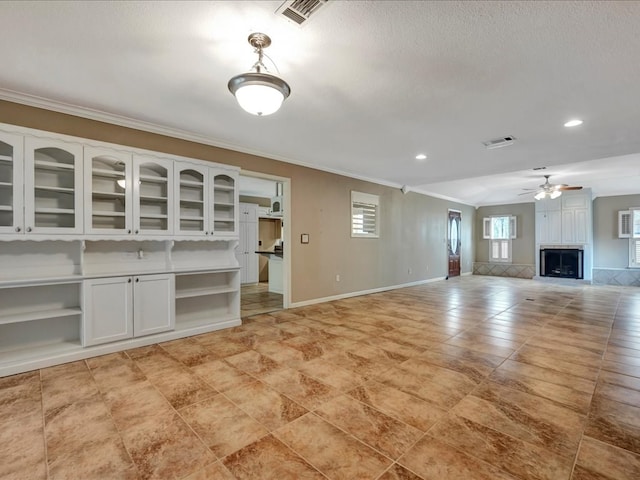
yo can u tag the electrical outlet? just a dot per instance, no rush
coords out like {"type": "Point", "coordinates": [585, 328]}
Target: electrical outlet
{"type": "Point", "coordinates": [337, 277]}
{"type": "Point", "coordinates": [409, 271]}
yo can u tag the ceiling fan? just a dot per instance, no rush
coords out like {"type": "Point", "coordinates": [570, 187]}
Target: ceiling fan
{"type": "Point", "coordinates": [549, 189]}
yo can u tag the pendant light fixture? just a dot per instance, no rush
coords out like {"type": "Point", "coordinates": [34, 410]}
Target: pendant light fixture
{"type": "Point", "coordinates": [258, 92]}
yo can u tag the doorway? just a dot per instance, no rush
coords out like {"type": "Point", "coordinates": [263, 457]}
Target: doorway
{"type": "Point", "coordinates": [263, 250]}
{"type": "Point", "coordinates": [453, 242]}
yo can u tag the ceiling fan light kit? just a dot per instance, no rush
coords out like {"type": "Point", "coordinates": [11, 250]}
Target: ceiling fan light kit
{"type": "Point", "coordinates": [258, 92]}
{"type": "Point", "coordinates": [552, 191]}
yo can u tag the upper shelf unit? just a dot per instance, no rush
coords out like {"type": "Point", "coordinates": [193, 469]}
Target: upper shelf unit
{"type": "Point", "coordinates": [66, 190]}
{"type": "Point", "coordinates": [40, 186]}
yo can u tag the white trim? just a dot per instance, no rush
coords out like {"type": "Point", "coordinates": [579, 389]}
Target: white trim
{"type": "Point", "coordinates": [114, 119]}
{"type": "Point", "coordinates": [286, 220]}
{"type": "Point", "coordinates": [314, 301]}
{"type": "Point", "coordinates": [81, 353]}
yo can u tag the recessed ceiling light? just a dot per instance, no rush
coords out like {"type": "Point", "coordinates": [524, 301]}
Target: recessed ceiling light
{"type": "Point", "coordinates": [573, 123]}
{"type": "Point", "coordinates": [421, 156]}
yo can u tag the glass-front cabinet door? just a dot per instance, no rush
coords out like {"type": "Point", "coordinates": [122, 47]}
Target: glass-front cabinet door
{"type": "Point", "coordinates": [192, 217]}
{"type": "Point", "coordinates": [11, 202]}
{"type": "Point", "coordinates": [152, 195]}
{"type": "Point", "coordinates": [224, 217]}
{"type": "Point", "coordinates": [53, 186]}
{"type": "Point", "coordinates": [108, 204]}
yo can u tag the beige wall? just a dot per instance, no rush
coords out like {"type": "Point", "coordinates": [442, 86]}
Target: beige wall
{"type": "Point", "coordinates": [413, 228]}
{"type": "Point", "coordinates": [610, 251]}
{"type": "Point", "coordinates": [524, 245]}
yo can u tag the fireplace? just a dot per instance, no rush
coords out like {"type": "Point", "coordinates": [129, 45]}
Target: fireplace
{"type": "Point", "coordinates": [561, 262]}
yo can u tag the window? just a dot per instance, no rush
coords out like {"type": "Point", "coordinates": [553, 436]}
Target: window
{"type": "Point", "coordinates": [629, 227]}
{"type": "Point", "coordinates": [365, 215]}
{"type": "Point", "coordinates": [500, 230]}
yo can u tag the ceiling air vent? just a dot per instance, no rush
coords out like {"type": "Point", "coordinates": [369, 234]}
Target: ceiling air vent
{"type": "Point", "coordinates": [499, 142]}
{"type": "Point", "coordinates": [300, 11]}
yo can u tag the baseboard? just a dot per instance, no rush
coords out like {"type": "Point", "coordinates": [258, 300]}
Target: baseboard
{"type": "Point", "coordinates": [314, 301]}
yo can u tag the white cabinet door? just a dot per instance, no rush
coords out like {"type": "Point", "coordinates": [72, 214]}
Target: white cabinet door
{"type": "Point", "coordinates": [582, 224]}
{"type": "Point", "coordinates": [154, 304]}
{"type": "Point", "coordinates": [11, 193]}
{"type": "Point", "coordinates": [107, 304]}
{"type": "Point", "coordinates": [554, 226]}
{"type": "Point", "coordinates": [153, 206]}
{"type": "Point", "coordinates": [223, 202]}
{"type": "Point", "coordinates": [548, 227]}
{"type": "Point", "coordinates": [124, 307]}
{"type": "Point", "coordinates": [108, 192]}
{"type": "Point", "coordinates": [191, 206]}
{"type": "Point", "coordinates": [53, 186]}
{"type": "Point", "coordinates": [568, 226]}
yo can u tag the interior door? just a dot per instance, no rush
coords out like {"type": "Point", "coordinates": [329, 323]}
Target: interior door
{"type": "Point", "coordinates": [453, 242]}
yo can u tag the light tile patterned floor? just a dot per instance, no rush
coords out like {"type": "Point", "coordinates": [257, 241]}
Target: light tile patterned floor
{"type": "Point", "coordinates": [471, 378]}
{"type": "Point", "coordinates": [255, 298]}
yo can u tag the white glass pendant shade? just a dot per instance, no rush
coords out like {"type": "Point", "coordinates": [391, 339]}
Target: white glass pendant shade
{"type": "Point", "coordinates": [539, 196]}
{"type": "Point", "coordinates": [555, 194]}
{"type": "Point", "coordinates": [259, 93]}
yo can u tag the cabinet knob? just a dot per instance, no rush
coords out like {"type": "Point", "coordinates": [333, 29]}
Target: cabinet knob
{"type": "Point", "coordinates": [28, 229]}
{"type": "Point", "coordinates": [137, 280]}
{"type": "Point", "coordinates": [128, 231]}
{"type": "Point", "coordinates": [206, 233]}
{"type": "Point", "coordinates": [136, 231]}
{"type": "Point", "coordinates": [129, 281]}
{"type": "Point", "coordinates": [18, 229]}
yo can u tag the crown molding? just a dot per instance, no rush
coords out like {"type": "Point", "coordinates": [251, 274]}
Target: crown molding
{"type": "Point", "coordinates": [128, 122]}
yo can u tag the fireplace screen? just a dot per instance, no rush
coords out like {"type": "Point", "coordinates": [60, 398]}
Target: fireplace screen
{"type": "Point", "coordinates": [561, 262]}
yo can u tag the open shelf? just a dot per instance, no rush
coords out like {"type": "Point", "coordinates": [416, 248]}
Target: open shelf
{"type": "Point", "coordinates": [38, 315]}
{"type": "Point", "coordinates": [55, 211]}
{"type": "Point", "coordinates": [108, 194]}
{"type": "Point", "coordinates": [107, 214]}
{"type": "Point", "coordinates": [6, 158]}
{"type": "Point", "coordinates": [46, 165]}
{"type": "Point", "coordinates": [151, 198]}
{"type": "Point", "coordinates": [201, 292]}
{"type": "Point", "coordinates": [103, 172]}
{"type": "Point", "coordinates": [152, 179]}
{"type": "Point", "coordinates": [191, 183]}
{"type": "Point", "coordinates": [55, 189]}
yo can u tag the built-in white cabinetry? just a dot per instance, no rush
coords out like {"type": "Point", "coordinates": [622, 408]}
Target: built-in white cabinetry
{"type": "Point", "coordinates": [117, 308]}
{"type": "Point", "coordinates": [53, 186]}
{"type": "Point", "coordinates": [202, 296]}
{"type": "Point", "coordinates": [40, 186]}
{"type": "Point", "coordinates": [575, 218]}
{"type": "Point", "coordinates": [192, 209]}
{"type": "Point", "coordinates": [207, 201]}
{"type": "Point", "coordinates": [548, 226]}
{"type": "Point", "coordinates": [108, 202]}
{"type": "Point", "coordinates": [152, 195]}
{"type": "Point", "coordinates": [11, 175]}
{"type": "Point", "coordinates": [104, 247]}
{"type": "Point", "coordinates": [246, 252]}
{"type": "Point", "coordinates": [225, 202]}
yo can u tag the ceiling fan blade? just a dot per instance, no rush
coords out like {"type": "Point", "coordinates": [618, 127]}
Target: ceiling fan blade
{"type": "Point", "coordinates": [569, 188]}
{"type": "Point", "coordinates": [525, 193]}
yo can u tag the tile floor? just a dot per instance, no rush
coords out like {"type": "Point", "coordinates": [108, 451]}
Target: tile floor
{"type": "Point", "coordinates": [471, 378]}
{"type": "Point", "coordinates": [256, 298]}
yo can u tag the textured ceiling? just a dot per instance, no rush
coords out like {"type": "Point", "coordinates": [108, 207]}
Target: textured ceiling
{"type": "Point", "coordinates": [373, 84]}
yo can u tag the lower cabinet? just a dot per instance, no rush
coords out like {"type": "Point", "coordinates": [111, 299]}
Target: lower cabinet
{"type": "Point", "coordinates": [117, 308]}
